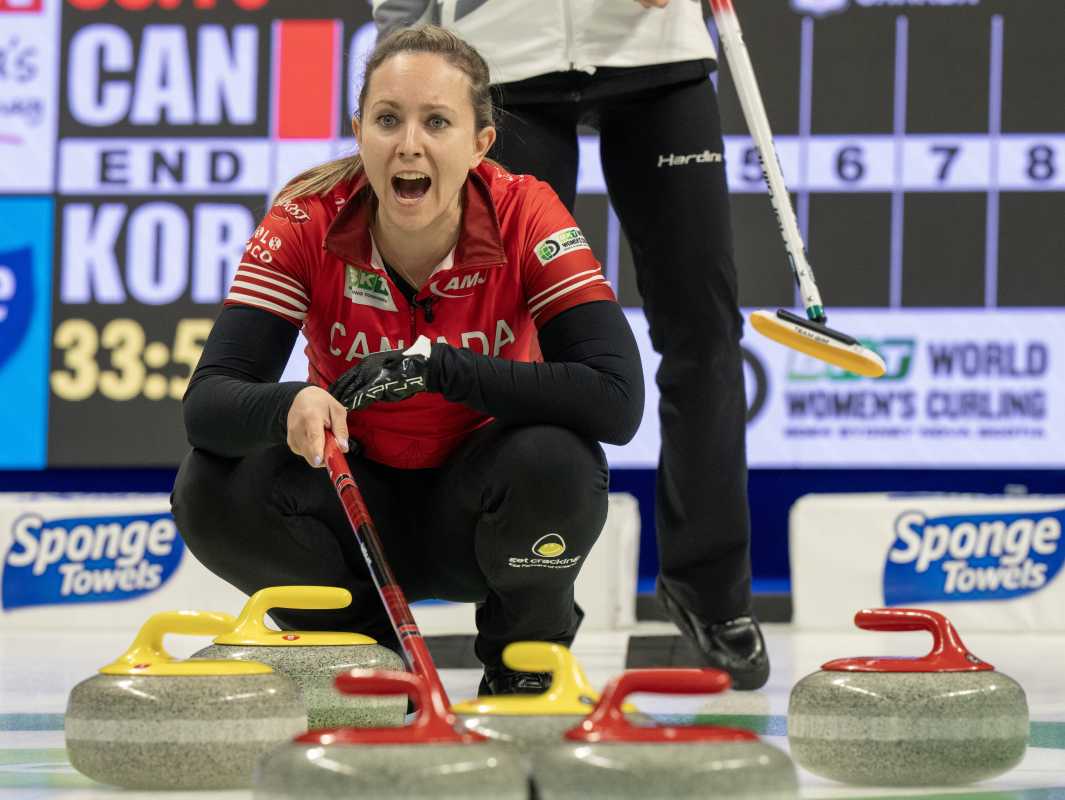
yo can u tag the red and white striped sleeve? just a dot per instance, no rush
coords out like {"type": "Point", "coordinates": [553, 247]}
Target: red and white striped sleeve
{"type": "Point", "coordinates": [271, 274]}
{"type": "Point", "coordinates": [560, 270]}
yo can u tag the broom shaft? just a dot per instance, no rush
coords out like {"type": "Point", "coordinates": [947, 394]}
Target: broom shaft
{"type": "Point", "coordinates": [410, 637]}
{"type": "Point", "coordinates": [728, 28]}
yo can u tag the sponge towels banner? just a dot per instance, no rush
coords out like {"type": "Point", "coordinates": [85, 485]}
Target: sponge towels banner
{"type": "Point", "coordinates": [987, 562]}
{"type": "Point", "coordinates": [98, 561]}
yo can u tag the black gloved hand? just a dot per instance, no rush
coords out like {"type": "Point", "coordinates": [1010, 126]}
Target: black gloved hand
{"type": "Point", "coordinates": [387, 376]}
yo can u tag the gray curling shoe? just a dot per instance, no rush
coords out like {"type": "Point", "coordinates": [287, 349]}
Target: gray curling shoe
{"type": "Point", "coordinates": [313, 659]}
{"type": "Point", "coordinates": [148, 721]}
{"type": "Point", "coordinates": [946, 718]}
{"type": "Point", "coordinates": [532, 721]}
{"type": "Point", "coordinates": [606, 756]}
{"type": "Point", "coordinates": [426, 760]}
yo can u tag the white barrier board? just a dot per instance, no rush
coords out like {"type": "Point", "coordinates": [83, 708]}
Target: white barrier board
{"type": "Point", "coordinates": [988, 562]}
{"type": "Point", "coordinates": [109, 561]}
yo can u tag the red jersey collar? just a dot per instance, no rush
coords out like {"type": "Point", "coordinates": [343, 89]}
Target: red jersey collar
{"type": "Point", "coordinates": [480, 243]}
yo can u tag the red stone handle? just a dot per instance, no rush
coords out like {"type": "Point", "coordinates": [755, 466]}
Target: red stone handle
{"type": "Point", "coordinates": [607, 722]}
{"type": "Point", "coordinates": [948, 653]}
{"type": "Point", "coordinates": [434, 723]}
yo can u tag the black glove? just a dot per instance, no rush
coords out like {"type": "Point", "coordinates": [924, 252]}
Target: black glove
{"type": "Point", "coordinates": [387, 376]}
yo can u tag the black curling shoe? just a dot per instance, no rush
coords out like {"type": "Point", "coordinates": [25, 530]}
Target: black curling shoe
{"type": "Point", "coordinates": [735, 645]}
{"type": "Point", "coordinates": [501, 680]}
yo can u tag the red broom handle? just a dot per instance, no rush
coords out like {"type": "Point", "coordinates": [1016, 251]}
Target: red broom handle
{"type": "Point", "coordinates": [410, 637]}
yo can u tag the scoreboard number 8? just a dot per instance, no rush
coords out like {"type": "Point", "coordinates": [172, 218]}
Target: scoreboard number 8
{"type": "Point", "coordinates": [1041, 163]}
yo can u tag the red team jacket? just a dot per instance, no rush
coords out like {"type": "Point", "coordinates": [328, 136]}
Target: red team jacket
{"type": "Point", "coordinates": [519, 261]}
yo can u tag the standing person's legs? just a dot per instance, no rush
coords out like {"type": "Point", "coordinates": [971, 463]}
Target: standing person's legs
{"type": "Point", "coordinates": [510, 524]}
{"type": "Point", "coordinates": [269, 520]}
{"type": "Point", "coordinates": [662, 156]}
{"type": "Point", "coordinates": [540, 139]}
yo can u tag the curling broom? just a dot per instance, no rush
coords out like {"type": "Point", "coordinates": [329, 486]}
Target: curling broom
{"type": "Point", "coordinates": [810, 335]}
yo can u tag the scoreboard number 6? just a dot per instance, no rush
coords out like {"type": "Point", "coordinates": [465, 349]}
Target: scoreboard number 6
{"type": "Point", "coordinates": [849, 164]}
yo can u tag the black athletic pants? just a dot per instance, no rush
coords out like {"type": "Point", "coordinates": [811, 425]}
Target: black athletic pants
{"type": "Point", "coordinates": [676, 218]}
{"type": "Point", "coordinates": [464, 531]}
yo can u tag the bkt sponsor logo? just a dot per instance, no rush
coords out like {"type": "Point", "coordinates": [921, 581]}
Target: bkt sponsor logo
{"type": "Point", "coordinates": [897, 354]}
{"type": "Point", "coordinates": [972, 557]}
{"type": "Point", "coordinates": [16, 299]}
{"type": "Point", "coordinates": [88, 559]}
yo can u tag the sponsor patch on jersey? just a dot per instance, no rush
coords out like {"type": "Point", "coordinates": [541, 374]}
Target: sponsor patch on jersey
{"type": "Point", "coordinates": [559, 243]}
{"type": "Point", "coordinates": [368, 289]}
{"type": "Point", "coordinates": [458, 285]}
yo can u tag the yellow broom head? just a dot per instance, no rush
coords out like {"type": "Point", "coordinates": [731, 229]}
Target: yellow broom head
{"type": "Point", "coordinates": [818, 341]}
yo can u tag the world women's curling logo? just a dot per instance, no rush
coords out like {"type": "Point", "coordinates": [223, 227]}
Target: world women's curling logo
{"type": "Point", "coordinates": [972, 557]}
{"type": "Point", "coordinates": [88, 559]}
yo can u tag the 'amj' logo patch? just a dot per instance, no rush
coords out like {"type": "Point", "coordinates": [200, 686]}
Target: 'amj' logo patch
{"type": "Point", "coordinates": [88, 559]}
{"type": "Point", "coordinates": [972, 557]}
{"type": "Point", "coordinates": [16, 299]}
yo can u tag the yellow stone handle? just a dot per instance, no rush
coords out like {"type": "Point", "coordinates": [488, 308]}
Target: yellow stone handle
{"type": "Point", "coordinates": [568, 681]}
{"type": "Point", "coordinates": [250, 624]}
{"type": "Point", "coordinates": [147, 647]}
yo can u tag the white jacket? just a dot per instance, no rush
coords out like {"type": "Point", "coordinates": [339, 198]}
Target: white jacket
{"type": "Point", "coordinates": [523, 38]}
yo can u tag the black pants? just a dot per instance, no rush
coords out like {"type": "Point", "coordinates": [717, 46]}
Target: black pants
{"type": "Point", "coordinates": [676, 218]}
{"type": "Point", "coordinates": [463, 532]}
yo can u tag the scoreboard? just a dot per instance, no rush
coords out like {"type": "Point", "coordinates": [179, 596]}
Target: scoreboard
{"type": "Point", "coordinates": [924, 142]}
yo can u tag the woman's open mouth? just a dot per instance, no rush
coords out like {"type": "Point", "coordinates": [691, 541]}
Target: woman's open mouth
{"type": "Point", "coordinates": [411, 185]}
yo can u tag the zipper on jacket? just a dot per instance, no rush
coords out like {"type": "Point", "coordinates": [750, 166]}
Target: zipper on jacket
{"type": "Point", "coordinates": [426, 306]}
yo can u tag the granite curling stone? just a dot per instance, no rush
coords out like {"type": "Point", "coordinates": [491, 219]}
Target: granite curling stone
{"type": "Point", "coordinates": [607, 756]}
{"type": "Point", "coordinates": [149, 721]}
{"type": "Point", "coordinates": [426, 759]}
{"type": "Point", "coordinates": [945, 718]}
{"type": "Point", "coordinates": [313, 659]}
{"type": "Point", "coordinates": [529, 722]}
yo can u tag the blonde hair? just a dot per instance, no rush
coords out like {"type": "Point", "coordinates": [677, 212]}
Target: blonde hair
{"type": "Point", "coordinates": [421, 39]}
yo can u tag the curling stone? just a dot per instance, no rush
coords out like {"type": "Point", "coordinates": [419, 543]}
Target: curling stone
{"type": "Point", "coordinates": [945, 718]}
{"type": "Point", "coordinates": [312, 659]}
{"type": "Point", "coordinates": [426, 759]}
{"type": "Point", "coordinates": [530, 722]}
{"type": "Point", "coordinates": [149, 721]}
{"type": "Point", "coordinates": [606, 756]}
